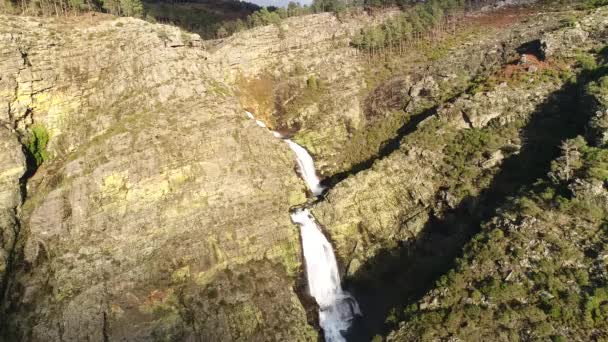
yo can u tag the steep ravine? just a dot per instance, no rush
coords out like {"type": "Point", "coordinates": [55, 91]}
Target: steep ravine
{"type": "Point", "coordinates": [162, 212]}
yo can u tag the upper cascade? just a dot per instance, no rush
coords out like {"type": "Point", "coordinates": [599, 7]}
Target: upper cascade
{"type": "Point", "coordinates": [306, 164]}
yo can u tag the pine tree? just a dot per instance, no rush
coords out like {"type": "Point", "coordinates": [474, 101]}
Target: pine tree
{"type": "Point", "coordinates": [132, 8]}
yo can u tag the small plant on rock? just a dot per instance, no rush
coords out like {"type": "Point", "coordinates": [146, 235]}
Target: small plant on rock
{"type": "Point", "coordinates": [37, 142]}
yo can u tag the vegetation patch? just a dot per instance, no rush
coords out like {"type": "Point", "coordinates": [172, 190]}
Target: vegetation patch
{"type": "Point", "coordinates": [37, 142]}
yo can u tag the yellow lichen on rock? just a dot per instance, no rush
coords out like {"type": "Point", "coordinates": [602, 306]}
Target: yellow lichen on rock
{"type": "Point", "coordinates": [114, 186]}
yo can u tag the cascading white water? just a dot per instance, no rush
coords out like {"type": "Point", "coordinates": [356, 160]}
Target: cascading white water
{"type": "Point", "coordinates": [307, 168]}
{"type": "Point", "coordinates": [337, 308]}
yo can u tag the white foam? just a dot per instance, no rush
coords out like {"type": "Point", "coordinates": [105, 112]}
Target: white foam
{"type": "Point", "coordinates": [337, 308]}
{"type": "Point", "coordinates": [306, 166]}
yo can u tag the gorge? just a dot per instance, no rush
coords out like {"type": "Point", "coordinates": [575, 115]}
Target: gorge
{"type": "Point", "coordinates": [458, 190]}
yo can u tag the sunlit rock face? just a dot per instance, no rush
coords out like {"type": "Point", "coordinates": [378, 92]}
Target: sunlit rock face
{"type": "Point", "coordinates": [12, 168]}
{"type": "Point", "coordinates": [157, 192]}
{"type": "Point", "coordinates": [279, 3]}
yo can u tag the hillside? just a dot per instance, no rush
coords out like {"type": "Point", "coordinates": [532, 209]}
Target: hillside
{"type": "Point", "coordinates": [537, 269]}
{"type": "Point", "coordinates": [464, 165]}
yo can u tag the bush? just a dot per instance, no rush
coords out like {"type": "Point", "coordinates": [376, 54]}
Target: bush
{"type": "Point", "coordinates": [596, 307]}
{"type": "Point", "coordinates": [36, 143]}
{"type": "Point", "coordinates": [594, 3]}
{"type": "Point", "coordinates": [568, 21]}
{"type": "Point", "coordinates": [600, 87]}
{"type": "Point", "coordinates": [586, 62]}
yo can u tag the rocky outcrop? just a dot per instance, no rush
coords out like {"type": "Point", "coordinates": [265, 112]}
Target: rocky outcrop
{"type": "Point", "coordinates": [580, 36]}
{"type": "Point", "coordinates": [503, 104]}
{"type": "Point", "coordinates": [376, 208]}
{"type": "Point", "coordinates": [277, 49]}
{"type": "Point", "coordinates": [160, 211]}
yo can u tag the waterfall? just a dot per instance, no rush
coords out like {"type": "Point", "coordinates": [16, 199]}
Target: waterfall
{"type": "Point", "coordinates": [337, 308]}
{"type": "Point", "coordinates": [307, 168]}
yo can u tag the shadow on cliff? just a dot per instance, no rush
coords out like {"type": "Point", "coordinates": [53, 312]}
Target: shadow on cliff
{"type": "Point", "coordinates": [386, 149]}
{"type": "Point", "coordinates": [13, 257]}
{"type": "Point", "coordinates": [398, 277]}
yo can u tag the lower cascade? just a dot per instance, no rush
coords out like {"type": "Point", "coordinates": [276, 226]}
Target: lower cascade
{"type": "Point", "coordinates": [337, 308]}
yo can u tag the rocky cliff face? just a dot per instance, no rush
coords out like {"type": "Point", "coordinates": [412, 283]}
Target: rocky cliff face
{"type": "Point", "coordinates": [13, 168]}
{"type": "Point", "coordinates": [160, 210]}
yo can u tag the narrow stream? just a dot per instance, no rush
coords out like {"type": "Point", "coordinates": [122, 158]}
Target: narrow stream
{"type": "Point", "coordinates": [337, 308]}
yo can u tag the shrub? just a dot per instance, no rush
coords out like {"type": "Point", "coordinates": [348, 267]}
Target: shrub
{"type": "Point", "coordinates": [568, 21]}
{"type": "Point", "coordinates": [558, 338]}
{"type": "Point", "coordinates": [596, 307]}
{"type": "Point", "coordinates": [594, 3]}
{"type": "Point", "coordinates": [585, 61]}
{"type": "Point", "coordinates": [600, 87]}
{"type": "Point", "coordinates": [37, 142]}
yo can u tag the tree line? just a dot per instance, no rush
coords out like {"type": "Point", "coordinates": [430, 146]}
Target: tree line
{"type": "Point", "coordinates": [205, 22]}
{"type": "Point", "coordinates": [426, 19]}
{"type": "Point", "coordinates": [132, 8]}
{"type": "Point", "coordinates": [265, 16]}
{"type": "Point", "coordinates": [421, 18]}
